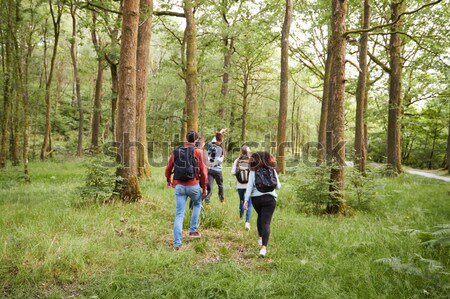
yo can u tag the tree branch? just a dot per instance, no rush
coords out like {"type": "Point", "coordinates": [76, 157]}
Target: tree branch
{"type": "Point", "coordinates": [304, 89]}
{"type": "Point", "coordinates": [355, 65]}
{"type": "Point", "coordinates": [96, 7]}
{"type": "Point", "coordinates": [355, 31]}
{"type": "Point", "coordinates": [169, 13]}
{"type": "Point", "coordinates": [377, 61]}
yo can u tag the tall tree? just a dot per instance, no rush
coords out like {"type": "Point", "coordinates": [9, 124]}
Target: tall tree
{"type": "Point", "coordinates": [191, 67]}
{"type": "Point", "coordinates": [76, 77]}
{"type": "Point", "coordinates": [322, 135]}
{"type": "Point", "coordinates": [56, 20]}
{"type": "Point", "coordinates": [336, 113]}
{"type": "Point", "coordinates": [284, 92]}
{"type": "Point", "coordinates": [7, 8]}
{"type": "Point", "coordinates": [127, 187]}
{"type": "Point", "coordinates": [97, 109]}
{"type": "Point", "coordinates": [360, 148]}
{"type": "Point", "coordinates": [143, 51]}
{"type": "Point", "coordinates": [395, 88]}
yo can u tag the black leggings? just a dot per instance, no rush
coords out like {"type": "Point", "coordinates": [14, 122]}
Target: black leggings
{"type": "Point", "coordinates": [264, 205]}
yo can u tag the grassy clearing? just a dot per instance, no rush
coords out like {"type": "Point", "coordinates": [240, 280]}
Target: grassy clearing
{"type": "Point", "coordinates": [51, 247]}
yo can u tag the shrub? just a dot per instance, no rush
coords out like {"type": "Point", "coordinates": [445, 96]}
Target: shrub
{"type": "Point", "coordinates": [100, 180]}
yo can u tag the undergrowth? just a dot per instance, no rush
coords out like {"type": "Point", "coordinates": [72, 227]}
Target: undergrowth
{"type": "Point", "coordinates": [52, 247]}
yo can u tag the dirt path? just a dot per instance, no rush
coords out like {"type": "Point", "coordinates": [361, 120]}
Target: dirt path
{"type": "Point", "coordinates": [428, 175]}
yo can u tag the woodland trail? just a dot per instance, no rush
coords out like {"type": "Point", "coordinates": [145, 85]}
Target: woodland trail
{"type": "Point", "coordinates": [427, 174]}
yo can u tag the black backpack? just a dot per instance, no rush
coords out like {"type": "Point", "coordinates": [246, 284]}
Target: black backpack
{"type": "Point", "coordinates": [265, 179]}
{"type": "Point", "coordinates": [243, 170]}
{"type": "Point", "coordinates": [184, 164]}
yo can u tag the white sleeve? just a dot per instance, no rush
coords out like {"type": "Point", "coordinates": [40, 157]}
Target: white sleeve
{"type": "Point", "coordinates": [278, 181]}
{"type": "Point", "coordinates": [233, 168]}
{"type": "Point", "coordinates": [250, 183]}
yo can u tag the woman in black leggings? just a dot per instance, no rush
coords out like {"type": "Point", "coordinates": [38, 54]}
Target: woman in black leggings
{"type": "Point", "coordinates": [261, 189]}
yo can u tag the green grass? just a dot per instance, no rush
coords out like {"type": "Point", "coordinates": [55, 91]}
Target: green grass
{"type": "Point", "coordinates": [51, 247]}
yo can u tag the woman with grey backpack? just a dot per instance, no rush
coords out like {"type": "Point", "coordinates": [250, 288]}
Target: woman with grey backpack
{"type": "Point", "coordinates": [262, 182]}
{"type": "Point", "coordinates": [241, 169]}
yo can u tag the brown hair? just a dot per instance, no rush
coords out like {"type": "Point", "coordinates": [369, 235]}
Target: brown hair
{"type": "Point", "coordinates": [261, 159]}
{"type": "Point", "coordinates": [245, 151]}
{"type": "Point", "coordinates": [219, 137]}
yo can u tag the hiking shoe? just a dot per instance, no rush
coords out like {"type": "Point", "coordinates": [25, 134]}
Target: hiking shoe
{"type": "Point", "coordinates": [176, 248]}
{"type": "Point", "coordinates": [260, 241]}
{"type": "Point", "coordinates": [194, 235]}
{"type": "Point", "coordinates": [262, 252]}
{"type": "Point", "coordinates": [247, 225]}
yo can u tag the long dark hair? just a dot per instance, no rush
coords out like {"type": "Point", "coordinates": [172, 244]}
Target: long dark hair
{"type": "Point", "coordinates": [261, 159]}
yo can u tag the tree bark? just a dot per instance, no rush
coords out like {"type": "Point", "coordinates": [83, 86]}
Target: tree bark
{"type": "Point", "coordinates": [284, 89]}
{"type": "Point", "coordinates": [228, 44]}
{"type": "Point", "coordinates": [143, 51]}
{"type": "Point", "coordinates": [56, 30]}
{"type": "Point", "coordinates": [112, 62]}
{"type": "Point", "coordinates": [127, 188]}
{"type": "Point", "coordinates": [97, 109]}
{"type": "Point", "coordinates": [7, 64]}
{"type": "Point", "coordinates": [322, 139]}
{"type": "Point", "coordinates": [114, 96]}
{"type": "Point", "coordinates": [395, 90]}
{"type": "Point", "coordinates": [336, 97]}
{"type": "Point", "coordinates": [360, 154]}
{"type": "Point", "coordinates": [97, 115]}
{"type": "Point", "coordinates": [191, 67]}
{"type": "Point", "coordinates": [76, 77]}
{"type": "Point", "coordinates": [16, 135]}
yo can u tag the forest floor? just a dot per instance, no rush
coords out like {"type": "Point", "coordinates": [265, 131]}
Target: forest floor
{"type": "Point", "coordinates": [55, 245]}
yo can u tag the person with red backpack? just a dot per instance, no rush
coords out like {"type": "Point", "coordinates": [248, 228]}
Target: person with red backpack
{"type": "Point", "coordinates": [241, 169]}
{"type": "Point", "coordinates": [262, 182]}
{"type": "Point", "coordinates": [189, 173]}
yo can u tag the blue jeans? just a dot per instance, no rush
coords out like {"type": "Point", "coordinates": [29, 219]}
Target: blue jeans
{"type": "Point", "coordinates": [241, 193]}
{"type": "Point", "coordinates": [181, 195]}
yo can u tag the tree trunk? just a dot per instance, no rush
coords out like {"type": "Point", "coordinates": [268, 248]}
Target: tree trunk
{"type": "Point", "coordinates": [96, 116]}
{"type": "Point", "coordinates": [127, 188]}
{"type": "Point", "coordinates": [395, 90]}
{"type": "Point", "coordinates": [97, 109]}
{"type": "Point", "coordinates": [59, 83]}
{"type": "Point", "coordinates": [114, 96]}
{"type": "Point", "coordinates": [143, 51]}
{"type": "Point", "coordinates": [228, 44]}
{"type": "Point", "coordinates": [76, 77]}
{"type": "Point", "coordinates": [244, 109]}
{"type": "Point", "coordinates": [322, 140]}
{"type": "Point", "coordinates": [191, 67]}
{"type": "Point", "coordinates": [284, 89]}
{"type": "Point", "coordinates": [56, 29]}
{"type": "Point", "coordinates": [360, 156]}
{"type": "Point", "coordinates": [244, 121]}
{"type": "Point", "coordinates": [16, 136]}
{"type": "Point", "coordinates": [6, 101]}
{"type": "Point", "coordinates": [336, 97]}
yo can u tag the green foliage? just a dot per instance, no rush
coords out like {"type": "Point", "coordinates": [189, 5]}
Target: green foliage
{"type": "Point", "coordinates": [313, 188]}
{"type": "Point", "coordinates": [363, 189]}
{"type": "Point", "coordinates": [99, 181]}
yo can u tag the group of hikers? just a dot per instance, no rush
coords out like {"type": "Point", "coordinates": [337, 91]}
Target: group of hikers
{"type": "Point", "coordinates": [191, 170]}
